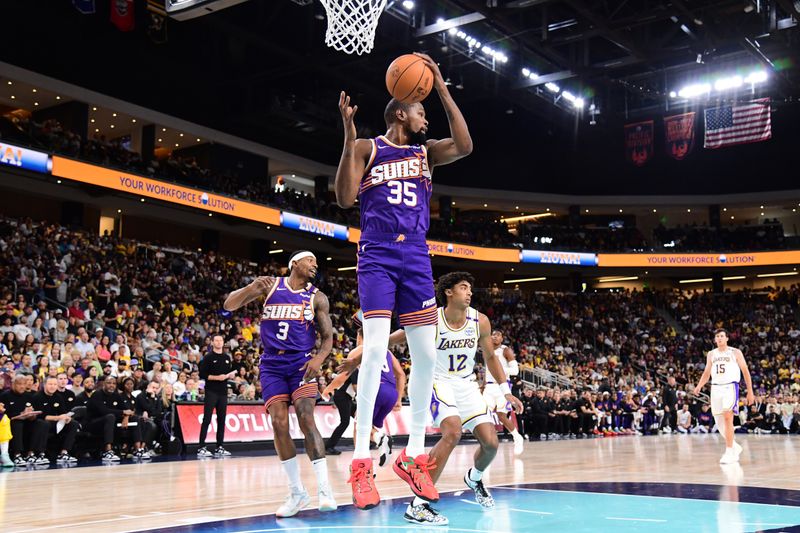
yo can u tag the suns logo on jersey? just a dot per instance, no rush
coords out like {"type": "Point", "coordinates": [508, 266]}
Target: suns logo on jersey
{"type": "Point", "coordinates": [413, 167]}
{"type": "Point", "coordinates": [456, 344]}
{"type": "Point", "coordinates": [284, 312]}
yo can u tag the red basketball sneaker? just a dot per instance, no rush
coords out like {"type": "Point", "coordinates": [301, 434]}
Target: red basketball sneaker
{"type": "Point", "coordinates": [365, 494]}
{"type": "Point", "coordinates": [416, 472]}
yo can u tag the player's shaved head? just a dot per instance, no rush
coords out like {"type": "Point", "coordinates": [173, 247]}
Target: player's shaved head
{"type": "Point", "coordinates": [390, 113]}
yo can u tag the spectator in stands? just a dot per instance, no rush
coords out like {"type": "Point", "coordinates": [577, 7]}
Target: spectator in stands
{"type": "Point", "coordinates": [56, 413]}
{"type": "Point", "coordinates": [108, 419]}
{"type": "Point", "coordinates": [29, 434]}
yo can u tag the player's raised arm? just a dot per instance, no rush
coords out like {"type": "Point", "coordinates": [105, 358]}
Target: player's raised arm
{"type": "Point", "coordinates": [746, 373]}
{"type": "Point", "coordinates": [354, 157]}
{"type": "Point", "coordinates": [493, 364]}
{"type": "Point", "coordinates": [705, 377]}
{"type": "Point", "coordinates": [459, 144]}
{"type": "Point", "coordinates": [241, 297]}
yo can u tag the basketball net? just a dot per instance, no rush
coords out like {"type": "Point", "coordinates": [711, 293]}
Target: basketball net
{"type": "Point", "coordinates": [352, 24]}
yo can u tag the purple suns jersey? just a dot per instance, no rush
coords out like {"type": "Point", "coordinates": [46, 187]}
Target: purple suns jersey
{"type": "Point", "coordinates": [387, 372]}
{"type": "Point", "coordinates": [287, 319]}
{"type": "Point", "coordinates": [395, 190]}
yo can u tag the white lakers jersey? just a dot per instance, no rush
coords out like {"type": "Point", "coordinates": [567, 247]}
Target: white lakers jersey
{"type": "Point", "coordinates": [498, 352]}
{"type": "Point", "coordinates": [724, 368]}
{"type": "Point", "coordinates": [455, 348]}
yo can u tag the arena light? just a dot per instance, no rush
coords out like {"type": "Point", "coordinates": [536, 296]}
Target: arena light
{"type": "Point", "coordinates": [776, 274]}
{"type": "Point", "coordinates": [552, 87]}
{"type": "Point", "coordinates": [528, 73]}
{"type": "Point", "coordinates": [697, 89]}
{"type": "Point", "coordinates": [408, 4]}
{"type": "Point", "coordinates": [280, 250]}
{"type": "Point", "coordinates": [609, 280]}
{"type": "Point", "coordinates": [475, 44]}
{"type": "Point", "coordinates": [526, 217]}
{"type": "Point", "coordinates": [342, 269]}
{"type": "Point", "coordinates": [523, 280]}
{"type": "Point", "coordinates": [726, 84]}
{"type": "Point", "coordinates": [731, 278]}
{"type": "Point", "coordinates": [758, 76]}
{"type": "Point", "coordinates": [698, 280]}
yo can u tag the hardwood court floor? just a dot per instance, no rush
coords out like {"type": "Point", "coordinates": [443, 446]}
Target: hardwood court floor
{"type": "Point", "coordinates": [128, 497]}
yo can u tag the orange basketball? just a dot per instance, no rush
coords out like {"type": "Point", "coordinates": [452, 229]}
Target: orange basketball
{"type": "Point", "coordinates": [409, 79]}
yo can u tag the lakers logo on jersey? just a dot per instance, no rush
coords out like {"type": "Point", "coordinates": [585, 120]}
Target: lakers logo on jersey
{"type": "Point", "coordinates": [456, 344]}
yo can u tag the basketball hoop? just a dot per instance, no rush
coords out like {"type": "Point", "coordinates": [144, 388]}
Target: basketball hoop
{"type": "Point", "coordinates": [352, 24]}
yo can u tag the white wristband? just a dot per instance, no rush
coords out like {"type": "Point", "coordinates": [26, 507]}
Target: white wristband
{"type": "Point", "coordinates": [505, 389]}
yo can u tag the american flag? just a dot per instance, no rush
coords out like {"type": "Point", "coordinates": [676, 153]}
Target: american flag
{"type": "Point", "coordinates": [738, 124]}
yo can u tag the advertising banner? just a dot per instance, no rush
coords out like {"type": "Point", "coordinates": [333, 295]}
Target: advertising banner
{"type": "Point", "coordinates": [551, 257]}
{"type": "Point", "coordinates": [313, 225]}
{"type": "Point", "coordinates": [700, 260]}
{"type": "Point", "coordinates": [159, 190]}
{"type": "Point", "coordinates": [15, 156]}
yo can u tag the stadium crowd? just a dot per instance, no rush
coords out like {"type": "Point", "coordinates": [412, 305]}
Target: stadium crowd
{"type": "Point", "coordinates": [116, 329]}
{"type": "Point", "coordinates": [485, 230]}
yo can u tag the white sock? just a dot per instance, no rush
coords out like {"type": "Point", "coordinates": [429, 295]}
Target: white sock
{"type": "Point", "coordinates": [378, 435]}
{"type": "Point", "coordinates": [422, 346]}
{"type": "Point", "coordinates": [418, 501]}
{"type": "Point", "coordinates": [376, 342]}
{"type": "Point", "coordinates": [475, 474]}
{"type": "Point", "coordinates": [293, 473]}
{"type": "Point", "coordinates": [4, 447]}
{"type": "Point", "coordinates": [515, 433]}
{"type": "Point", "coordinates": [321, 471]}
{"type": "Point", "coordinates": [729, 450]}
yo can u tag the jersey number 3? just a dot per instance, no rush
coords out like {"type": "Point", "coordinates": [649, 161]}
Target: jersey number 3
{"type": "Point", "coordinates": [402, 193]}
{"type": "Point", "coordinates": [283, 331]}
{"type": "Point", "coordinates": [462, 362]}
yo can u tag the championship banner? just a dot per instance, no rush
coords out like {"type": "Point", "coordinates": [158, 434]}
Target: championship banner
{"type": "Point", "coordinates": [700, 260]}
{"type": "Point", "coordinates": [550, 257]}
{"type": "Point", "coordinates": [122, 15]}
{"type": "Point", "coordinates": [639, 142]}
{"type": "Point", "coordinates": [159, 190]}
{"type": "Point", "coordinates": [679, 135]}
{"type": "Point", "coordinates": [313, 225]}
{"type": "Point", "coordinates": [250, 422]}
{"type": "Point", "coordinates": [15, 156]}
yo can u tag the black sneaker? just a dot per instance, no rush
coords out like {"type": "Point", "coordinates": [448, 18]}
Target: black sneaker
{"type": "Point", "coordinates": [42, 460]}
{"type": "Point", "coordinates": [221, 452]}
{"type": "Point", "coordinates": [203, 452]}
{"type": "Point", "coordinates": [482, 495]}
{"type": "Point", "coordinates": [110, 457]}
{"type": "Point", "coordinates": [424, 514]}
{"type": "Point", "coordinates": [65, 458]}
{"type": "Point", "coordinates": [20, 462]}
{"type": "Point", "coordinates": [332, 451]}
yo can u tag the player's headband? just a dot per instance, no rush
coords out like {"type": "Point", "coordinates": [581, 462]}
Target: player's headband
{"type": "Point", "coordinates": [300, 255]}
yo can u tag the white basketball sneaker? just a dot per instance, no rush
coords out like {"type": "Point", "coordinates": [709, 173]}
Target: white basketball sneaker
{"type": "Point", "coordinates": [326, 500]}
{"type": "Point", "coordinates": [519, 443]}
{"type": "Point", "coordinates": [729, 457]}
{"type": "Point", "coordinates": [293, 504]}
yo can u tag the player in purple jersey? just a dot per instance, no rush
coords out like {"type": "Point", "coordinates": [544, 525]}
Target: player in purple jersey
{"type": "Point", "coordinates": [390, 393]}
{"type": "Point", "coordinates": [391, 177]}
{"type": "Point", "coordinates": [288, 372]}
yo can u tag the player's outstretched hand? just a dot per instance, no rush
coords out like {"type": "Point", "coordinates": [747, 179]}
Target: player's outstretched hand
{"type": "Point", "coordinates": [515, 403]}
{"type": "Point", "coordinates": [348, 366]}
{"type": "Point", "coordinates": [311, 368]}
{"type": "Point", "coordinates": [348, 112]}
{"type": "Point", "coordinates": [438, 80]}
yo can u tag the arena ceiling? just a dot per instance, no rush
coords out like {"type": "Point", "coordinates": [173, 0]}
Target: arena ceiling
{"type": "Point", "coordinates": [261, 70]}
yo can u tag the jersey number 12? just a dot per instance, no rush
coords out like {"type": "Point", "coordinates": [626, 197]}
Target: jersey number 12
{"type": "Point", "coordinates": [462, 362]}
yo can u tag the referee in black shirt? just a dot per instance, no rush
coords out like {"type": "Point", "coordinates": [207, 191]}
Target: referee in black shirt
{"type": "Point", "coordinates": [216, 368]}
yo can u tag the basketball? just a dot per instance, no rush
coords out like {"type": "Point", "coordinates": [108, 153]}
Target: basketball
{"type": "Point", "coordinates": [409, 79]}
